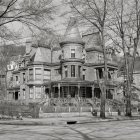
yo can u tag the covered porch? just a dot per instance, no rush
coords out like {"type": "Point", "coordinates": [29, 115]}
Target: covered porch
{"type": "Point", "coordinates": [70, 89]}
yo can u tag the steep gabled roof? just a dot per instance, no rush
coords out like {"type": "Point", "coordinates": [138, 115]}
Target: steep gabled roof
{"type": "Point", "coordinates": [92, 41]}
{"type": "Point", "coordinates": [72, 34]}
{"type": "Point", "coordinates": [41, 55]}
{"type": "Point", "coordinates": [38, 55]}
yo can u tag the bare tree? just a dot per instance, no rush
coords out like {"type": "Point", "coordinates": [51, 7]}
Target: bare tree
{"type": "Point", "coordinates": [126, 27]}
{"type": "Point", "coordinates": [94, 13]}
{"type": "Point", "coordinates": [31, 13]}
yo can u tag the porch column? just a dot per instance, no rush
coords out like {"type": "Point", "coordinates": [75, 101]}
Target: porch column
{"type": "Point", "coordinates": [93, 91]}
{"type": "Point", "coordinates": [59, 90]}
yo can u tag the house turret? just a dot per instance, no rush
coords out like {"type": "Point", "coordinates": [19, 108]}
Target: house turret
{"type": "Point", "coordinates": [72, 51]}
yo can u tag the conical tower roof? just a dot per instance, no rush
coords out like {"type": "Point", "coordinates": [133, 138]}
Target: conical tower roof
{"type": "Point", "coordinates": [72, 34]}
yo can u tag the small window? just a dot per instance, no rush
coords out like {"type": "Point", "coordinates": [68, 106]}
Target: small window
{"type": "Point", "coordinates": [16, 78]}
{"type": "Point", "coordinates": [66, 71]}
{"type": "Point", "coordinates": [31, 92]}
{"type": "Point", "coordinates": [24, 77]}
{"type": "Point", "coordinates": [72, 70]}
{"type": "Point", "coordinates": [47, 74]}
{"type": "Point", "coordinates": [30, 74]}
{"type": "Point", "coordinates": [100, 73]}
{"type": "Point", "coordinates": [38, 73]}
{"type": "Point", "coordinates": [79, 71]}
{"type": "Point", "coordinates": [38, 92]}
{"type": "Point", "coordinates": [24, 94]}
{"type": "Point", "coordinates": [84, 71]}
{"type": "Point", "coordinates": [72, 53]}
{"type": "Point", "coordinates": [57, 71]}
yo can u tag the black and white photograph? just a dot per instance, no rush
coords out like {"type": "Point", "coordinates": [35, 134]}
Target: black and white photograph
{"type": "Point", "coordinates": [69, 69]}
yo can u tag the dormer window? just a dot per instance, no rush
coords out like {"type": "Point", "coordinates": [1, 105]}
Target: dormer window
{"type": "Point", "coordinates": [72, 53]}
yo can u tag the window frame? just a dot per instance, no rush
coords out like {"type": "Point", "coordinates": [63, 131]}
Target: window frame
{"type": "Point", "coordinates": [66, 71]}
{"type": "Point", "coordinates": [46, 74]}
{"type": "Point", "coordinates": [31, 74]}
{"type": "Point", "coordinates": [73, 71]}
{"type": "Point", "coordinates": [84, 74]}
{"type": "Point", "coordinates": [38, 94]}
{"type": "Point", "coordinates": [79, 71]}
{"type": "Point", "coordinates": [38, 76]}
{"type": "Point", "coordinates": [31, 94]}
{"type": "Point", "coordinates": [24, 94]}
{"type": "Point", "coordinates": [24, 78]}
{"type": "Point", "coordinates": [72, 53]}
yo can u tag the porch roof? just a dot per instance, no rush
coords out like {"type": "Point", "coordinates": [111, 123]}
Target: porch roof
{"type": "Point", "coordinates": [73, 81]}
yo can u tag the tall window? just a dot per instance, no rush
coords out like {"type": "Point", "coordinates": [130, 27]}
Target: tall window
{"type": "Point", "coordinates": [72, 70]}
{"type": "Point", "coordinates": [38, 92]}
{"type": "Point", "coordinates": [47, 74]}
{"type": "Point", "coordinates": [31, 92]}
{"type": "Point", "coordinates": [84, 71]}
{"type": "Point", "coordinates": [72, 53]}
{"type": "Point", "coordinates": [30, 74]}
{"type": "Point", "coordinates": [100, 73]}
{"type": "Point", "coordinates": [24, 77]}
{"type": "Point", "coordinates": [38, 73]}
{"type": "Point", "coordinates": [66, 71]}
{"type": "Point", "coordinates": [79, 71]}
{"type": "Point", "coordinates": [24, 94]}
{"type": "Point", "coordinates": [17, 80]}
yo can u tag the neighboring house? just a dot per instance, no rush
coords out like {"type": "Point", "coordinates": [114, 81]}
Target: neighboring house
{"type": "Point", "coordinates": [66, 70]}
{"type": "Point", "coordinates": [6, 53]}
{"type": "Point", "coordinates": [135, 91]}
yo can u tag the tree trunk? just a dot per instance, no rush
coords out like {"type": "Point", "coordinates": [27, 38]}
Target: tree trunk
{"type": "Point", "coordinates": [103, 86]}
{"type": "Point", "coordinates": [127, 89]}
{"type": "Point", "coordinates": [103, 98]}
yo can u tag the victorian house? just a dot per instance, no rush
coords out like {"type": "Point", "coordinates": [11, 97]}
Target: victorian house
{"type": "Point", "coordinates": [68, 70]}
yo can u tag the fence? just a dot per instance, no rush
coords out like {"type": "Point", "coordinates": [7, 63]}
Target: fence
{"type": "Point", "coordinates": [15, 108]}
